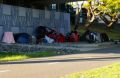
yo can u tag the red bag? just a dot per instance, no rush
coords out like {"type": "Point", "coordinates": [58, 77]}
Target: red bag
{"type": "Point", "coordinates": [53, 36]}
{"type": "Point", "coordinates": [74, 37]}
{"type": "Point", "coordinates": [60, 38]}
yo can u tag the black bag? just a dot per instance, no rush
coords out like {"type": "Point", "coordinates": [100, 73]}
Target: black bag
{"type": "Point", "coordinates": [104, 37]}
{"type": "Point", "coordinates": [91, 38]}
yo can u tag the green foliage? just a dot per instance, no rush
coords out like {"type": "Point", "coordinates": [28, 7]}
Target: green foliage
{"type": "Point", "coordinates": [107, 6]}
{"type": "Point", "coordinates": [111, 6]}
{"type": "Point", "coordinates": [111, 71]}
{"type": "Point", "coordinates": [103, 9]}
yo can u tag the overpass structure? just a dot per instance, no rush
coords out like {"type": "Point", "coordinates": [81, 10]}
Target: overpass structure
{"type": "Point", "coordinates": [35, 3]}
{"type": "Point", "coordinates": [24, 16]}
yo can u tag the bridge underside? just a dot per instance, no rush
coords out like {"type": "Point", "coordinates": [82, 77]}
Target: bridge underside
{"type": "Point", "coordinates": [35, 3]}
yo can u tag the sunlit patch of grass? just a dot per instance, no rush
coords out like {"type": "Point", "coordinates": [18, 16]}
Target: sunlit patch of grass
{"type": "Point", "coordinates": [12, 56]}
{"type": "Point", "coordinates": [111, 71]}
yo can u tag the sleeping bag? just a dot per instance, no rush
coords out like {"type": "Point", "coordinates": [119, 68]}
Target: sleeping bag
{"type": "Point", "coordinates": [23, 38]}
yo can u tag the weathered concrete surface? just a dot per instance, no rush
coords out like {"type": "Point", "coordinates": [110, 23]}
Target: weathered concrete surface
{"type": "Point", "coordinates": [62, 48]}
{"type": "Point", "coordinates": [57, 66]}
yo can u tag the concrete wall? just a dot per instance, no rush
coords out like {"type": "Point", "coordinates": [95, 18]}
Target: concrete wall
{"type": "Point", "coordinates": [20, 19]}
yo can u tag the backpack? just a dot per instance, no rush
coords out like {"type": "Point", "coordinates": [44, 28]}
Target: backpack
{"type": "Point", "coordinates": [91, 38]}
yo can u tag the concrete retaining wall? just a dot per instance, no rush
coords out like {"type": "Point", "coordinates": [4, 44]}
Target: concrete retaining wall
{"type": "Point", "coordinates": [20, 19]}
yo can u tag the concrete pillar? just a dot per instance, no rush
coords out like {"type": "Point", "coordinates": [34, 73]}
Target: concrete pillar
{"type": "Point", "coordinates": [58, 5]}
{"type": "Point", "coordinates": [1, 1]}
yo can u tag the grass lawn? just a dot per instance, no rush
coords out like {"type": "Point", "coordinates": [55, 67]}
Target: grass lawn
{"type": "Point", "coordinates": [111, 71]}
{"type": "Point", "coordinates": [4, 57]}
{"type": "Point", "coordinates": [113, 34]}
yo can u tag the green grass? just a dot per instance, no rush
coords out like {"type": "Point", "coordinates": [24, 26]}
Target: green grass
{"type": "Point", "coordinates": [113, 34]}
{"type": "Point", "coordinates": [10, 56]}
{"type": "Point", "coordinates": [111, 71]}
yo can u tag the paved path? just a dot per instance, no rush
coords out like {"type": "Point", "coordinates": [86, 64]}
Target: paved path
{"type": "Point", "coordinates": [57, 66]}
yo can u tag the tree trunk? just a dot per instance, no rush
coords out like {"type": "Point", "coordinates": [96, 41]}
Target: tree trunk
{"type": "Point", "coordinates": [109, 23]}
{"type": "Point", "coordinates": [91, 16]}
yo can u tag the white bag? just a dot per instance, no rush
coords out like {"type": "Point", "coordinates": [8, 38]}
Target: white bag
{"type": "Point", "coordinates": [49, 40]}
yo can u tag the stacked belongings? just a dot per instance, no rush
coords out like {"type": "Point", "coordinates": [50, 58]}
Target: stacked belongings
{"type": "Point", "coordinates": [85, 35]}
{"type": "Point", "coordinates": [73, 37]}
{"type": "Point", "coordinates": [40, 33]}
{"type": "Point", "coordinates": [104, 37]}
{"type": "Point", "coordinates": [92, 37]}
{"type": "Point", "coordinates": [22, 38]}
{"type": "Point", "coordinates": [48, 40]}
{"type": "Point", "coordinates": [46, 34]}
{"type": "Point", "coordinates": [98, 38]}
{"type": "Point", "coordinates": [52, 34]}
{"type": "Point", "coordinates": [58, 37]}
{"type": "Point", "coordinates": [88, 36]}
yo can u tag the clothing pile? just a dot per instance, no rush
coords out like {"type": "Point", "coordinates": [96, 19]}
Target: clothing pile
{"type": "Point", "coordinates": [73, 37]}
{"type": "Point", "coordinates": [93, 37]}
{"type": "Point", "coordinates": [43, 34]}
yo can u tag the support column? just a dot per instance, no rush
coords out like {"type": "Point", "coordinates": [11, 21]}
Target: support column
{"type": "Point", "coordinates": [1, 1]}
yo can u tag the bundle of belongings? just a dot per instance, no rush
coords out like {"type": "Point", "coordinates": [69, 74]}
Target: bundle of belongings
{"type": "Point", "coordinates": [73, 37]}
{"type": "Point", "coordinates": [104, 37]}
{"type": "Point", "coordinates": [48, 35]}
{"type": "Point", "coordinates": [92, 37]}
{"type": "Point", "coordinates": [22, 38]}
{"type": "Point", "coordinates": [8, 37]}
{"type": "Point", "coordinates": [58, 37]}
{"type": "Point", "coordinates": [48, 40]}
